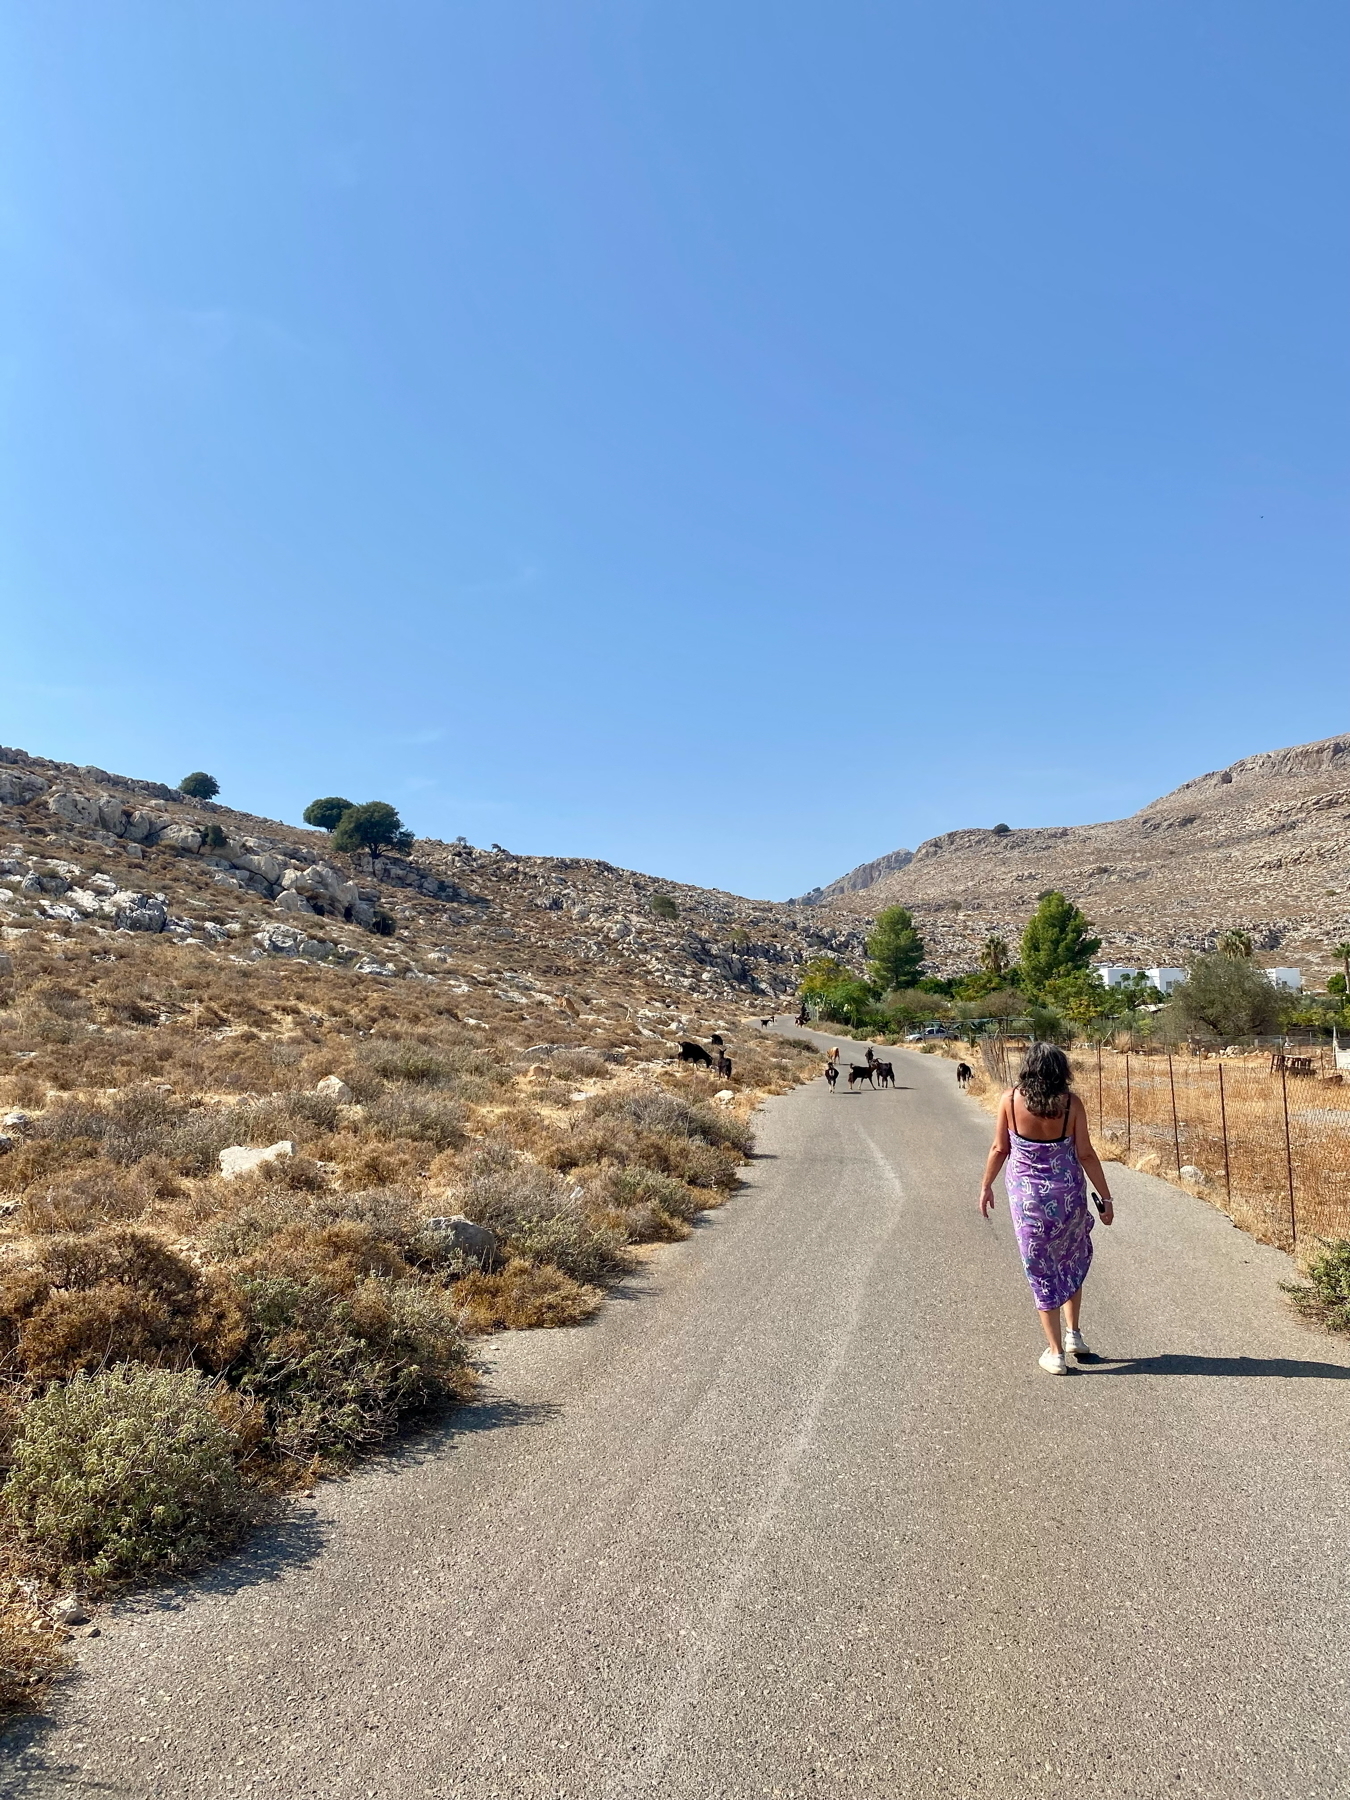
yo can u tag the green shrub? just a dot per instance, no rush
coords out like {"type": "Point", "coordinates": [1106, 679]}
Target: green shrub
{"type": "Point", "coordinates": [213, 838]}
{"type": "Point", "coordinates": [124, 1473]}
{"type": "Point", "coordinates": [664, 907]}
{"type": "Point", "coordinates": [199, 785]}
{"type": "Point", "coordinates": [1326, 1298]}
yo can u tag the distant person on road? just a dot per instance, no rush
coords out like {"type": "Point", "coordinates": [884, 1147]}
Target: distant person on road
{"type": "Point", "coordinates": [1042, 1135]}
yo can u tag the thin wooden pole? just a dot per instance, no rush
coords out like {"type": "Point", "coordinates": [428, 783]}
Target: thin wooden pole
{"type": "Point", "coordinates": [1101, 1121]}
{"type": "Point", "coordinates": [1288, 1156]}
{"type": "Point", "coordinates": [1223, 1121]}
{"type": "Point", "coordinates": [1176, 1135]}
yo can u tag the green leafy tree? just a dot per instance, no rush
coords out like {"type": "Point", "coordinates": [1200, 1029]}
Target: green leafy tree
{"type": "Point", "coordinates": [1080, 996]}
{"type": "Point", "coordinates": [1235, 944]}
{"type": "Point", "coordinates": [1342, 952]}
{"type": "Point", "coordinates": [896, 950]}
{"type": "Point", "coordinates": [820, 975]}
{"type": "Point", "coordinates": [1229, 996]}
{"type": "Point", "coordinates": [199, 785]}
{"type": "Point", "coordinates": [373, 827]}
{"type": "Point", "coordinates": [664, 907]}
{"type": "Point", "coordinates": [326, 813]}
{"type": "Point", "coordinates": [1056, 941]}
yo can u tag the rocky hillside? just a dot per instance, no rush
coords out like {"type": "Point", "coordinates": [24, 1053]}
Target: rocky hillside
{"type": "Point", "coordinates": [1263, 844]}
{"type": "Point", "coordinates": [864, 876]}
{"type": "Point", "coordinates": [83, 849]}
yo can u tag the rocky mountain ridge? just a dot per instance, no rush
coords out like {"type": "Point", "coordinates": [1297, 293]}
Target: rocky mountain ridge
{"type": "Point", "coordinates": [110, 853]}
{"type": "Point", "coordinates": [1263, 845]}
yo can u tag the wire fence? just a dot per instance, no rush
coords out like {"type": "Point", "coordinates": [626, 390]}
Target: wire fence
{"type": "Point", "coordinates": [1266, 1137]}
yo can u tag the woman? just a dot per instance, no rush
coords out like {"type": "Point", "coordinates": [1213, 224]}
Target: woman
{"type": "Point", "coordinates": [1042, 1135]}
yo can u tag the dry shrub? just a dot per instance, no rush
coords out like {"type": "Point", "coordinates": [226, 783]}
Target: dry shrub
{"type": "Point", "coordinates": [377, 1164]}
{"type": "Point", "coordinates": [525, 1296]}
{"type": "Point", "coordinates": [419, 1118]}
{"type": "Point", "coordinates": [80, 1198]}
{"type": "Point", "coordinates": [114, 1294]}
{"type": "Point", "coordinates": [122, 1474]}
{"type": "Point", "coordinates": [699, 1165]}
{"type": "Point", "coordinates": [338, 1239]}
{"type": "Point", "coordinates": [497, 1189]}
{"type": "Point", "coordinates": [337, 1374]}
{"type": "Point", "coordinates": [40, 1159]}
{"type": "Point", "coordinates": [572, 1241]}
{"type": "Point", "coordinates": [580, 1065]}
{"type": "Point", "coordinates": [30, 1655]}
{"type": "Point", "coordinates": [645, 1224]}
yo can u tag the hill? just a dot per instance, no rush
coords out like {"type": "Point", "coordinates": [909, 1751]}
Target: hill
{"type": "Point", "coordinates": [1263, 845]}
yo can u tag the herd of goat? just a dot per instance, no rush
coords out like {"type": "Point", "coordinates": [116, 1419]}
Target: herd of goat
{"type": "Point", "coordinates": [874, 1072]}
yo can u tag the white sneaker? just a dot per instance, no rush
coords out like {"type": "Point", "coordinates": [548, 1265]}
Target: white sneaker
{"type": "Point", "coordinates": [1075, 1344]}
{"type": "Point", "coordinates": [1052, 1361]}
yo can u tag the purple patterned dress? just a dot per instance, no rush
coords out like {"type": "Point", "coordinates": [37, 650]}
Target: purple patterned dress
{"type": "Point", "coordinates": [1048, 1198]}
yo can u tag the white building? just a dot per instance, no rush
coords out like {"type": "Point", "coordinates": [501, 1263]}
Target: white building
{"type": "Point", "coordinates": [1113, 975]}
{"type": "Point", "coordinates": [1165, 979]}
{"type": "Point", "coordinates": [1290, 979]}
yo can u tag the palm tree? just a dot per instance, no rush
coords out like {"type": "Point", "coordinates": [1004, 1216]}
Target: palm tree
{"type": "Point", "coordinates": [1237, 944]}
{"type": "Point", "coordinates": [994, 957]}
{"type": "Point", "coordinates": [1342, 952]}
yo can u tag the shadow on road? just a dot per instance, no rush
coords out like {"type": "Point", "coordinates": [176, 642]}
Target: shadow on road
{"type": "Point", "coordinates": [1288, 1368]}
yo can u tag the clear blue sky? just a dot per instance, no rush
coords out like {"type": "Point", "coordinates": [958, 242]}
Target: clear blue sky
{"type": "Point", "coordinates": [730, 439]}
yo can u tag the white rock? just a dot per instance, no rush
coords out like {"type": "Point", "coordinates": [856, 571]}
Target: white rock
{"type": "Point", "coordinates": [725, 1096]}
{"type": "Point", "coordinates": [70, 1610]}
{"type": "Point", "coordinates": [75, 809]}
{"type": "Point", "coordinates": [333, 1087]}
{"type": "Point", "coordinates": [1190, 1173]}
{"type": "Point", "coordinates": [238, 1159]}
{"type": "Point", "coordinates": [289, 901]}
{"type": "Point", "coordinates": [112, 815]}
{"type": "Point", "coordinates": [137, 912]}
{"type": "Point", "coordinates": [184, 836]}
{"type": "Point", "coordinates": [137, 826]}
{"type": "Point", "coordinates": [369, 966]}
{"type": "Point", "coordinates": [16, 1120]}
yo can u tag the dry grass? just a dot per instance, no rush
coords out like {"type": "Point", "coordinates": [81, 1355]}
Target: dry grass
{"type": "Point", "coordinates": [523, 1297]}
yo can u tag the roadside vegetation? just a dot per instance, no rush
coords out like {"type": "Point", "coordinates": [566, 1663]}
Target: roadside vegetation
{"type": "Point", "coordinates": [1050, 990]}
{"type": "Point", "coordinates": [179, 1348]}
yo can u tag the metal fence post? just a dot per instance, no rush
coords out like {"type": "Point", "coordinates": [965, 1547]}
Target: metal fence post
{"type": "Point", "coordinates": [1101, 1117]}
{"type": "Point", "coordinates": [1127, 1105]}
{"type": "Point", "coordinates": [1223, 1124]}
{"type": "Point", "coordinates": [1176, 1135]}
{"type": "Point", "coordinates": [1288, 1156]}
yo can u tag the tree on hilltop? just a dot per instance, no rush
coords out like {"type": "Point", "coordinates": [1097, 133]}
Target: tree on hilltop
{"type": "Point", "coordinates": [199, 785]}
{"type": "Point", "coordinates": [1056, 941]}
{"type": "Point", "coordinates": [326, 813]}
{"type": "Point", "coordinates": [896, 950]}
{"type": "Point", "coordinates": [664, 907]}
{"type": "Point", "coordinates": [373, 827]}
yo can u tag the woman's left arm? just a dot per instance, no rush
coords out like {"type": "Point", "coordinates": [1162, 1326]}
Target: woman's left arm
{"type": "Point", "coordinates": [1092, 1163]}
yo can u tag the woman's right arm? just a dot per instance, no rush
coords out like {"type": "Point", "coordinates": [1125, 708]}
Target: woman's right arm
{"type": "Point", "coordinates": [998, 1155]}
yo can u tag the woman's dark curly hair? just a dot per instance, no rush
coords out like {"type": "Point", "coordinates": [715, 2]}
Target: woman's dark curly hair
{"type": "Point", "coordinates": [1044, 1081]}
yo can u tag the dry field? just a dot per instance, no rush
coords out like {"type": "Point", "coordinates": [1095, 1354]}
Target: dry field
{"type": "Point", "coordinates": [1268, 1147]}
{"type": "Point", "coordinates": [179, 1348]}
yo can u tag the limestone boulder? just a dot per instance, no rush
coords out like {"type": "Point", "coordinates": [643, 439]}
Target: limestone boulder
{"type": "Point", "coordinates": [289, 901]}
{"type": "Point", "coordinates": [458, 1236]}
{"type": "Point", "coordinates": [183, 836]}
{"type": "Point", "coordinates": [333, 1087]}
{"type": "Point", "coordinates": [240, 1159]}
{"type": "Point", "coordinates": [18, 790]}
{"type": "Point", "coordinates": [138, 912]}
{"type": "Point", "coordinates": [75, 809]}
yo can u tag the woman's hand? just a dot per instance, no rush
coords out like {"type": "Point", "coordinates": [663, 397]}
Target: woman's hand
{"type": "Point", "coordinates": [987, 1199]}
{"type": "Point", "coordinates": [1108, 1211]}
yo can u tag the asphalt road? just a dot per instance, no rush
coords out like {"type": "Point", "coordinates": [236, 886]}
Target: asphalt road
{"type": "Point", "coordinates": [800, 1515]}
